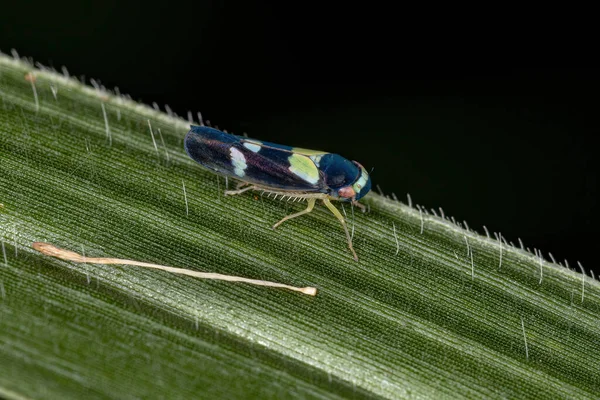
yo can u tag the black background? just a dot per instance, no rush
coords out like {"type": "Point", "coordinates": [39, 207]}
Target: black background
{"type": "Point", "coordinates": [471, 110]}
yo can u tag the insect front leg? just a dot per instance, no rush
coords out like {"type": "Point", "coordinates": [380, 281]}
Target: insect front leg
{"type": "Point", "coordinates": [311, 204]}
{"type": "Point", "coordinates": [362, 207]}
{"type": "Point", "coordinates": [343, 222]}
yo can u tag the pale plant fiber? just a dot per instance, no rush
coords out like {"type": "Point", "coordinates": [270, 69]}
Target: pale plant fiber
{"type": "Point", "coordinates": [431, 310]}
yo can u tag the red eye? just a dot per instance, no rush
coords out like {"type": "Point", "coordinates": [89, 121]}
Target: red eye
{"type": "Point", "coordinates": [347, 192]}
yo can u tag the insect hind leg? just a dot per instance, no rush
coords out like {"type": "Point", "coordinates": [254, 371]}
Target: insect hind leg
{"type": "Point", "coordinates": [241, 184]}
{"type": "Point", "coordinates": [239, 191]}
{"type": "Point", "coordinates": [311, 204]}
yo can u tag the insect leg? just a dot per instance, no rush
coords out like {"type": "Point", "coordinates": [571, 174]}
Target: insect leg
{"type": "Point", "coordinates": [311, 204]}
{"type": "Point", "coordinates": [341, 219]}
{"type": "Point", "coordinates": [234, 192]}
{"type": "Point", "coordinates": [240, 184]}
{"type": "Point", "coordinates": [362, 207]}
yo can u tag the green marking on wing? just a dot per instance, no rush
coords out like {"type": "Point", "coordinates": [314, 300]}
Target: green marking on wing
{"type": "Point", "coordinates": [304, 167]}
{"type": "Point", "coordinates": [307, 152]}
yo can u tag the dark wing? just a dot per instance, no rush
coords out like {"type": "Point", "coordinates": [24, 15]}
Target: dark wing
{"type": "Point", "coordinates": [271, 165]}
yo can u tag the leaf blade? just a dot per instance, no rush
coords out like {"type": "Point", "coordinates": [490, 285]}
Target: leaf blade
{"type": "Point", "coordinates": [426, 322]}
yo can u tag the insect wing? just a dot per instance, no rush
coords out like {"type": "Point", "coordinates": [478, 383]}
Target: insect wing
{"type": "Point", "coordinates": [268, 145]}
{"type": "Point", "coordinates": [269, 165]}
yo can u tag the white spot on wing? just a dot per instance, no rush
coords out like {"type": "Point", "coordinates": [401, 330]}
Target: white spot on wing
{"type": "Point", "coordinates": [252, 147]}
{"type": "Point", "coordinates": [238, 161]}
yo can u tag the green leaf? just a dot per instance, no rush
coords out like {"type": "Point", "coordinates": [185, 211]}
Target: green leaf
{"type": "Point", "coordinates": [431, 309]}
